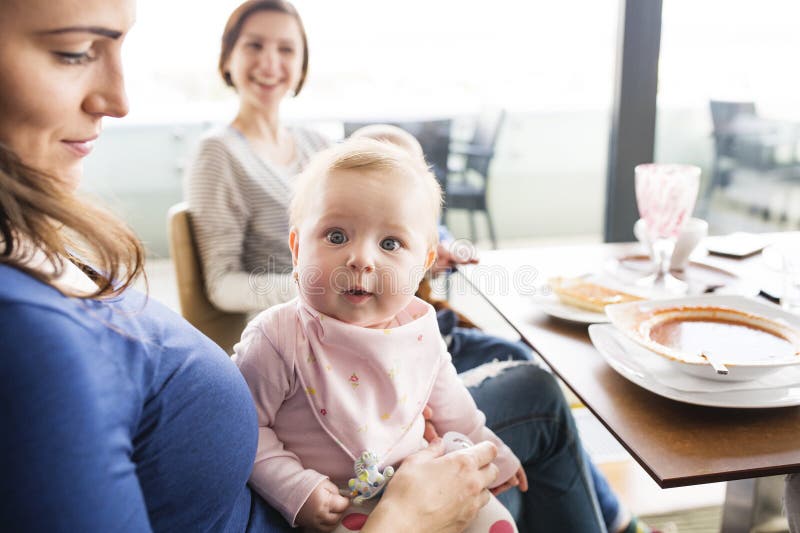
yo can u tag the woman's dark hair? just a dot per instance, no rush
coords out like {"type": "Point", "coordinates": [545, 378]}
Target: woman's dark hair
{"type": "Point", "coordinates": [233, 30]}
{"type": "Point", "coordinates": [39, 212]}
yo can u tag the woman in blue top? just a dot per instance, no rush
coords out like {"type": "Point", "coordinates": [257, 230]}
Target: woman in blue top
{"type": "Point", "coordinates": [116, 414]}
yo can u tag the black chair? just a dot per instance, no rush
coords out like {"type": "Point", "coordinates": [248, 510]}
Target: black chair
{"type": "Point", "coordinates": [433, 136]}
{"type": "Point", "coordinates": [744, 141]}
{"type": "Point", "coordinates": [467, 186]}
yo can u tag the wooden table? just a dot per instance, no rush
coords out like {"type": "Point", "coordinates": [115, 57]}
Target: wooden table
{"type": "Point", "coordinates": [678, 444]}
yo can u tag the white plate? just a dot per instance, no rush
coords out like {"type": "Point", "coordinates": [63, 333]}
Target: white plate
{"type": "Point", "coordinates": [554, 307]}
{"type": "Point", "coordinates": [627, 318]}
{"type": "Point", "coordinates": [627, 358]}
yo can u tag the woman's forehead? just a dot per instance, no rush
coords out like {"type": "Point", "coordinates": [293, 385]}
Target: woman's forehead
{"type": "Point", "coordinates": [52, 15]}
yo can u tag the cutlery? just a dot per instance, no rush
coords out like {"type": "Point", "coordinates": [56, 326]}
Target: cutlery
{"type": "Point", "coordinates": [715, 363]}
{"type": "Point", "coordinates": [710, 289]}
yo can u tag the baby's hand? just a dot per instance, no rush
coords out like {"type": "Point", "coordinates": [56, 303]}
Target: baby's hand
{"type": "Point", "coordinates": [323, 509]}
{"type": "Point", "coordinates": [517, 480]}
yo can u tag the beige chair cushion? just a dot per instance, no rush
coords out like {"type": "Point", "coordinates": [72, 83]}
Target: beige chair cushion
{"type": "Point", "coordinates": [221, 327]}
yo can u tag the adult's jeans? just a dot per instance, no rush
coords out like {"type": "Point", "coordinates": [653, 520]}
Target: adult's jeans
{"type": "Point", "coordinates": [524, 406]}
{"type": "Point", "coordinates": [471, 348]}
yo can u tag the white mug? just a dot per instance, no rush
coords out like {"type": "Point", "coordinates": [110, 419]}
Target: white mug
{"type": "Point", "coordinates": [694, 231]}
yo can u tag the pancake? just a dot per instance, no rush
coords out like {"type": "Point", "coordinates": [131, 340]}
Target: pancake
{"type": "Point", "coordinates": [584, 294]}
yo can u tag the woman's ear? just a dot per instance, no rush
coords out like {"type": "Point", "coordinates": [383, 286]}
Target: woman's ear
{"type": "Point", "coordinates": [294, 244]}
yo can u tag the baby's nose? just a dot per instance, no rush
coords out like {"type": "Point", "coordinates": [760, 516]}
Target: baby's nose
{"type": "Point", "coordinates": [361, 260]}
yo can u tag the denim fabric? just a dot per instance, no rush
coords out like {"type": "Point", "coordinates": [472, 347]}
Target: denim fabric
{"type": "Point", "coordinates": [471, 348]}
{"type": "Point", "coordinates": [524, 406]}
{"type": "Point", "coordinates": [609, 505]}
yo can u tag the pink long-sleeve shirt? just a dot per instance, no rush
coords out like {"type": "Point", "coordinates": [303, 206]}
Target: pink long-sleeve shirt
{"type": "Point", "coordinates": [325, 391]}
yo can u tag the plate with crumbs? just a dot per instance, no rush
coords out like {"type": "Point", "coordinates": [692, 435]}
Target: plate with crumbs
{"type": "Point", "coordinates": [582, 299]}
{"type": "Point", "coordinates": [748, 338]}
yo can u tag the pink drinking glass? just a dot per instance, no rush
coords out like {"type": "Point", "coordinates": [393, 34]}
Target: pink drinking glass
{"type": "Point", "coordinates": [665, 195]}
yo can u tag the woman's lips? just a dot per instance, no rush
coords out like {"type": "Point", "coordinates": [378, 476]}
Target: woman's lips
{"type": "Point", "coordinates": [80, 148]}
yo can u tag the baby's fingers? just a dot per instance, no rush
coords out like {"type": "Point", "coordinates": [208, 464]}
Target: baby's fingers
{"type": "Point", "coordinates": [338, 504]}
{"type": "Point", "coordinates": [504, 487]}
{"type": "Point", "coordinates": [522, 477]}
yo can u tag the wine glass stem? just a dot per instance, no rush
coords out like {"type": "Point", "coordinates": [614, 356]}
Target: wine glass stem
{"type": "Point", "coordinates": [662, 254]}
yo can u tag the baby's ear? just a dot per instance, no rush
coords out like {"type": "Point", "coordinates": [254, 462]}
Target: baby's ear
{"type": "Point", "coordinates": [294, 244]}
{"type": "Point", "coordinates": [430, 259]}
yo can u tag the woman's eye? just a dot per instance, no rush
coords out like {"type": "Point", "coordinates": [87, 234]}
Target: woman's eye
{"type": "Point", "coordinates": [287, 50]}
{"type": "Point", "coordinates": [74, 58]}
{"type": "Point", "coordinates": [336, 237]}
{"type": "Point", "coordinates": [390, 244]}
{"type": "Point", "coordinates": [254, 45]}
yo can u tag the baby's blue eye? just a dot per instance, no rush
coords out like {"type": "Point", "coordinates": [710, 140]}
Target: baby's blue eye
{"type": "Point", "coordinates": [336, 237]}
{"type": "Point", "coordinates": [390, 244]}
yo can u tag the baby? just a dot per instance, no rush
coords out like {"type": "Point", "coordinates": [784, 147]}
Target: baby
{"type": "Point", "coordinates": [342, 373]}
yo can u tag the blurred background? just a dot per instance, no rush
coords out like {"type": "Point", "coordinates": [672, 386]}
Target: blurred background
{"type": "Point", "coordinates": [549, 66]}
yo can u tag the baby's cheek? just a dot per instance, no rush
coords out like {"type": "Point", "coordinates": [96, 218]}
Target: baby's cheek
{"type": "Point", "coordinates": [417, 273]}
{"type": "Point", "coordinates": [312, 280]}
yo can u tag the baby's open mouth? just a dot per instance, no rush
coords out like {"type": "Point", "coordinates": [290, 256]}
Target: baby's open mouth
{"type": "Point", "coordinates": [358, 292]}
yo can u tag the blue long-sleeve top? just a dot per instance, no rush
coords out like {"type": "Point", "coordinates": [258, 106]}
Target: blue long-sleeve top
{"type": "Point", "coordinates": [117, 415]}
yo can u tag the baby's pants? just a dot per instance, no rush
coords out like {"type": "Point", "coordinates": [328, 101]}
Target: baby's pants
{"type": "Point", "coordinates": [492, 518]}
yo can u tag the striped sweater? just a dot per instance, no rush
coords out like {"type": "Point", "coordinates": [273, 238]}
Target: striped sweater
{"type": "Point", "coordinates": [239, 208]}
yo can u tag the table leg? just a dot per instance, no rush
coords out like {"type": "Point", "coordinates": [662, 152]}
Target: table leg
{"type": "Point", "coordinates": [751, 502]}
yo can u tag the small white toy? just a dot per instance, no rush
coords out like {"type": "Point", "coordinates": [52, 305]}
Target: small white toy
{"type": "Point", "coordinates": [369, 481]}
{"type": "Point", "coordinates": [454, 441]}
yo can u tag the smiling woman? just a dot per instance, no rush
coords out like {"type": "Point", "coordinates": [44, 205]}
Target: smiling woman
{"type": "Point", "coordinates": [238, 185]}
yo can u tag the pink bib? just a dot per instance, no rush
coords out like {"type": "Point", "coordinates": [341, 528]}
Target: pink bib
{"type": "Point", "coordinates": [367, 386]}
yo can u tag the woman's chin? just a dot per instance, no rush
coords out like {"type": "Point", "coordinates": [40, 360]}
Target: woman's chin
{"type": "Point", "coordinates": [72, 176]}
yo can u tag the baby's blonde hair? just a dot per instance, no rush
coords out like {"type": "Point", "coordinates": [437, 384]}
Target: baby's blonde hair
{"type": "Point", "coordinates": [365, 154]}
{"type": "Point", "coordinates": [393, 134]}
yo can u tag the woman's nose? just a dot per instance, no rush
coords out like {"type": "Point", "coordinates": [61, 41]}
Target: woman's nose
{"type": "Point", "coordinates": [107, 97]}
{"type": "Point", "coordinates": [269, 59]}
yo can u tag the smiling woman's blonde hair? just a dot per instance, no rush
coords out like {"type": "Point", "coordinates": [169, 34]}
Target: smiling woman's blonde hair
{"type": "Point", "coordinates": [38, 212]}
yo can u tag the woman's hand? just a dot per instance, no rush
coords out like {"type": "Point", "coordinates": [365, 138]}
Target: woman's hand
{"type": "Point", "coordinates": [519, 479]}
{"type": "Point", "coordinates": [447, 258]}
{"type": "Point", "coordinates": [435, 493]}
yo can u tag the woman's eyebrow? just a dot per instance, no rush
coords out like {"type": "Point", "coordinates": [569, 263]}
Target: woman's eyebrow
{"type": "Point", "coordinates": [97, 30]}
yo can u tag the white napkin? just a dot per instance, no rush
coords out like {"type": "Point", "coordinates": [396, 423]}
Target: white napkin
{"type": "Point", "coordinates": [661, 370]}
